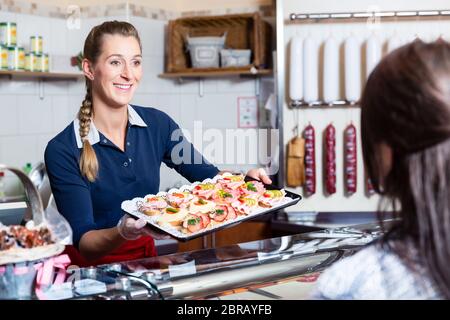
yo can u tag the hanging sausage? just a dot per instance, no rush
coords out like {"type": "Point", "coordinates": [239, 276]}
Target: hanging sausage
{"type": "Point", "coordinates": [350, 159]}
{"type": "Point", "coordinates": [310, 70]}
{"type": "Point", "coordinates": [352, 70]}
{"type": "Point", "coordinates": [296, 69]}
{"type": "Point", "coordinates": [330, 159]}
{"type": "Point", "coordinates": [310, 160]}
{"type": "Point", "coordinates": [331, 71]}
{"type": "Point", "coordinates": [373, 53]}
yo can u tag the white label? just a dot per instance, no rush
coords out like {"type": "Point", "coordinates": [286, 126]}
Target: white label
{"type": "Point", "coordinates": [248, 112]}
{"type": "Point", "coordinates": [184, 269]}
{"type": "Point", "coordinates": [81, 287]}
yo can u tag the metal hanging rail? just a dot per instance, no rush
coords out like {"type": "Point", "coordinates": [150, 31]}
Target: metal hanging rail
{"type": "Point", "coordinates": [364, 15]}
{"type": "Point", "coordinates": [323, 104]}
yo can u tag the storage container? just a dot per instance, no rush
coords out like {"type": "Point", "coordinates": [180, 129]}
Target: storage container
{"type": "Point", "coordinates": [204, 51]}
{"type": "Point", "coordinates": [235, 58]}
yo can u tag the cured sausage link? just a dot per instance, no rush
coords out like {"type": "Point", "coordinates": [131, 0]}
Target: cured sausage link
{"type": "Point", "coordinates": [330, 159]}
{"type": "Point", "coordinates": [310, 160]}
{"type": "Point", "coordinates": [350, 159]}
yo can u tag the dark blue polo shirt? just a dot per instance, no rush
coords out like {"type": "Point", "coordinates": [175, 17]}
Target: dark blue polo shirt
{"type": "Point", "coordinates": [122, 175]}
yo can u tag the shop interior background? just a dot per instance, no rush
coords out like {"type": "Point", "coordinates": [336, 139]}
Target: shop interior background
{"type": "Point", "coordinates": [32, 112]}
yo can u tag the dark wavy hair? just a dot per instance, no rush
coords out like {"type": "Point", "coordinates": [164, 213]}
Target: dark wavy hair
{"type": "Point", "coordinates": [406, 105]}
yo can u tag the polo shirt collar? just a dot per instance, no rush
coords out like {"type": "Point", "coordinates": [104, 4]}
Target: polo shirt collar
{"type": "Point", "coordinates": [94, 136]}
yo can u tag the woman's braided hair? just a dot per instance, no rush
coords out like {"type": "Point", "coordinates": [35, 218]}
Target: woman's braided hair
{"type": "Point", "coordinates": [92, 50]}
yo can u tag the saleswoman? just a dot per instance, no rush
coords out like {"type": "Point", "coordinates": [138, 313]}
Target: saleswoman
{"type": "Point", "coordinates": [113, 152]}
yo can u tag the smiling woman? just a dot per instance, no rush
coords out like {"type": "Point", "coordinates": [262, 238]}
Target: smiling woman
{"type": "Point", "coordinates": [113, 151]}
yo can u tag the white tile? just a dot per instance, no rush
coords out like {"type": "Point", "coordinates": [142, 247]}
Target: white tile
{"type": "Point", "coordinates": [152, 33]}
{"type": "Point", "coordinates": [41, 144]}
{"type": "Point", "coordinates": [29, 25]}
{"type": "Point", "coordinates": [76, 37]}
{"type": "Point", "coordinates": [19, 87]}
{"type": "Point", "coordinates": [188, 103]}
{"type": "Point", "coordinates": [58, 37]}
{"type": "Point", "coordinates": [77, 87]}
{"type": "Point", "coordinates": [62, 63]}
{"type": "Point", "coordinates": [74, 105]}
{"type": "Point", "coordinates": [170, 104]}
{"type": "Point", "coordinates": [60, 113]}
{"type": "Point", "coordinates": [151, 83]}
{"type": "Point", "coordinates": [35, 115]}
{"type": "Point", "coordinates": [145, 100]}
{"type": "Point", "coordinates": [119, 15]}
{"type": "Point", "coordinates": [236, 84]}
{"type": "Point", "coordinates": [9, 115]}
{"type": "Point", "coordinates": [193, 86]}
{"type": "Point", "coordinates": [56, 88]}
{"type": "Point", "coordinates": [18, 150]}
{"type": "Point", "coordinates": [217, 110]}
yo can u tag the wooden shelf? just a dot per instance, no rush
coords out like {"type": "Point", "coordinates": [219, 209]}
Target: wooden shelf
{"type": "Point", "coordinates": [215, 73]}
{"type": "Point", "coordinates": [53, 76]}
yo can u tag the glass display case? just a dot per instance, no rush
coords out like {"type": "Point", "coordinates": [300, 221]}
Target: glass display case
{"type": "Point", "coordinates": [277, 268]}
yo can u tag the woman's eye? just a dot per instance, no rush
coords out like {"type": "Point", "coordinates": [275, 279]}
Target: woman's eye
{"type": "Point", "coordinates": [137, 62]}
{"type": "Point", "coordinates": [115, 62]}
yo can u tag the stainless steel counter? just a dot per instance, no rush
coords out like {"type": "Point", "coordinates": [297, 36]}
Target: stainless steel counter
{"type": "Point", "coordinates": [248, 268]}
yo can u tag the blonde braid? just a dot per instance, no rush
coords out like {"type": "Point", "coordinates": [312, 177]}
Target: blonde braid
{"type": "Point", "coordinates": [91, 51]}
{"type": "Point", "coordinates": [88, 159]}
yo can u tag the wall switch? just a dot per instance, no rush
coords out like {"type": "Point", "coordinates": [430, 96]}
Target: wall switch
{"type": "Point", "coordinates": [247, 112]}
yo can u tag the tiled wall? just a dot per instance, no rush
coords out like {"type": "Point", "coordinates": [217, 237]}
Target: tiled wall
{"type": "Point", "coordinates": [28, 122]}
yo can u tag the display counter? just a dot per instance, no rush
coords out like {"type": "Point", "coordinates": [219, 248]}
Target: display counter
{"type": "Point", "coordinates": [277, 268]}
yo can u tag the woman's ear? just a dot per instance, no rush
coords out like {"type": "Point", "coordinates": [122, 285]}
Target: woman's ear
{"type": "Point", "coordinates": [87, 69]}
{"type": "Point", "coordinates": [386, 157]}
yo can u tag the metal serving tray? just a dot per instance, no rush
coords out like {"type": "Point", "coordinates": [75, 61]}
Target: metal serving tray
{"type": "Point", "coordinates": [130, 207]}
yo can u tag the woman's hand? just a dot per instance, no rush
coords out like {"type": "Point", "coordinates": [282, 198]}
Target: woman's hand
{"type": "Point", "coordinates": [132, 229]}
{"type": "Point", "coordinates": [259, 174]}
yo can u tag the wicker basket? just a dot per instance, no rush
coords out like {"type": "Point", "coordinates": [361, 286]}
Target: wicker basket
{"type": "Point", "coordinates": [244, 31]}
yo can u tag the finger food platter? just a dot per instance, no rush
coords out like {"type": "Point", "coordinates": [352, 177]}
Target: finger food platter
{"type": "Point", "coordinates": [201, 208]}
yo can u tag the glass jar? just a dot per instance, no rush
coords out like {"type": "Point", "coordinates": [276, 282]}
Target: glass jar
{"type": "Point", "coordinates": [45, 66]}
{"type": "Point", "coordinates": [31, 63]}
{"type": "Point", "coordinates": [36, 44]}
{"type": "Point", "coordinates": [3, 57]}
{"type": "Point", "coordinates": [13, 58]}
{"type": "Point", "coordinates": [8, 33]}
{"type": "Point", "coordinates": [21, 58]}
